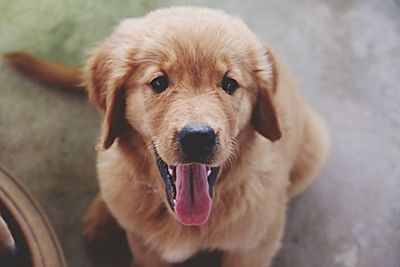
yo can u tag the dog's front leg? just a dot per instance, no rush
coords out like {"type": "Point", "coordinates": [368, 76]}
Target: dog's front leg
{"type": "Point", "coordinates": [143, 256]}
{"type": "Point", "coordinates": [104, 238]}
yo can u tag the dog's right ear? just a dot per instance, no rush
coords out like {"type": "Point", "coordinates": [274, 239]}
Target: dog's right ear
{"type": "Point", "coordinates": [105, 79]}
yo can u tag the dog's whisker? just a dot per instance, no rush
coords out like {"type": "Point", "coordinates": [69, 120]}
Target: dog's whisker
{"type": "Point", "coordinates": [148, 153]}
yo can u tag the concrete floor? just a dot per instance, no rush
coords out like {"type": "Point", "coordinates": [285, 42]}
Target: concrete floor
{"type": "Point", "coordinates": [346, 56]}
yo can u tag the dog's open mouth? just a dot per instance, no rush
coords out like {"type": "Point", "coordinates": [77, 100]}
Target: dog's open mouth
{"type": "Point", "coordinates": [189, 189]}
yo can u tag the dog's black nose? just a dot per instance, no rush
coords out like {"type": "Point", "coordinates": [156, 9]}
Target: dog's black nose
{"type": "Point", "coordinates": [197, 140]}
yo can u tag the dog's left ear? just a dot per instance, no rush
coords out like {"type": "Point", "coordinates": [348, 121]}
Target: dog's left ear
{"type": "Point", "coordinates": [105, 80]}
{"type": "Point", "coordinates": [114, 120]}
{"type": "Point", "coordinates": [265, 117]}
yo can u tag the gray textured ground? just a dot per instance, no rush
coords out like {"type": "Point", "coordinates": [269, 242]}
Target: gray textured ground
{"type": "Point", "coordinates": [346, 56]}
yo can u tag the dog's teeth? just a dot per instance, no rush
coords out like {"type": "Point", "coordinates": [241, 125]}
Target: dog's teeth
{"type": "Point", "coordinates": [209, 172]}
{"type": "Point", "coordinates": [170, 170]}
{"type": "Point", "coordinates": [174, 200]}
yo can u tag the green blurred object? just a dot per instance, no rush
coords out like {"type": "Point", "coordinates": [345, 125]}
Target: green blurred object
{"type": "Point", "coordinates": [63, 30]}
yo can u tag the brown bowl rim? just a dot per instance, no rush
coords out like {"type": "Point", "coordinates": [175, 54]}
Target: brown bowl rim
{"type": "Point", "coordinates": [39, 235]}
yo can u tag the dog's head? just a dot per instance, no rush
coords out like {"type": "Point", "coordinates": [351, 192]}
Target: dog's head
{"type": "Point", "coordinates": [189, 81]}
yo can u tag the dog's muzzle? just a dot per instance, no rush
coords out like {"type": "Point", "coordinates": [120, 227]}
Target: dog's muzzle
{"type": "Point", "coordinates": [189, 186]}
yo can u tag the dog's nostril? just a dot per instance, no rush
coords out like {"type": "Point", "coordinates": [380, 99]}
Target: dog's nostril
{"type": "Point", "coordinates": [197, 139]}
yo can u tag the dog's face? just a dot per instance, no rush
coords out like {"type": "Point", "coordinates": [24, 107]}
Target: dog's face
{"type": "Point", "coordinates": [189, 81]}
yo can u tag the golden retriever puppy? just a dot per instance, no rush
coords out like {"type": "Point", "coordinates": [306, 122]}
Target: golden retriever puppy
{"type": "Point", "coordinates": [205, 138]}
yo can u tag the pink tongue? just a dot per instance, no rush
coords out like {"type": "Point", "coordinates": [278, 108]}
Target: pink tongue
{"type": "Point", "coordinates": [193, 203]}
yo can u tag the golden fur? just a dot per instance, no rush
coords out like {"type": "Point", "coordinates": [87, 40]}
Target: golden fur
{"type": "Point", "coordinates": [272, 144]}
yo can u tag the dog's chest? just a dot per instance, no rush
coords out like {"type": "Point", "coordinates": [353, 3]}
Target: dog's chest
{"type": "Point", "coordinates": [180, 252]}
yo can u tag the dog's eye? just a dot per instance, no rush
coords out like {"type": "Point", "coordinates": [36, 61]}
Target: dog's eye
{"type": "Point", "coordinates": [160, 83]}
{"type": "Point", "coordinates": [229, 85]}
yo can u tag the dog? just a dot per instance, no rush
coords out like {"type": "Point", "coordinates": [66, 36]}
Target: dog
{"type": "Point", "coordinates": [205, 137]}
